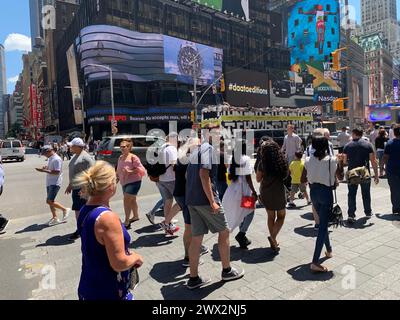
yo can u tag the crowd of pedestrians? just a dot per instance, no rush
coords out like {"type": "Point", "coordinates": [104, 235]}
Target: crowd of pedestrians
{"type": "Point", "coordinates": [215, 193]}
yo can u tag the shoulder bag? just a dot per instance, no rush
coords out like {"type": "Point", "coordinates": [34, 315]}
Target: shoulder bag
{"type": "Point", "coordinates": [336, 214]}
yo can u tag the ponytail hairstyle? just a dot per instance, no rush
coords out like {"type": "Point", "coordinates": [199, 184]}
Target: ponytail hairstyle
{"type": "Point", "coordinates": [96, 179]}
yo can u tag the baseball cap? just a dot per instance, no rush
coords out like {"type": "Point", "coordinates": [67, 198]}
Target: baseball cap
{"type": "Point", "coordinates": [47, 148]}
{"type": "Point", "coordinates": [78, 142]}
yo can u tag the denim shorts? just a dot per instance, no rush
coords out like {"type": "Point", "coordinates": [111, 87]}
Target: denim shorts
{"type": "Point", "coordinates": [166, 189]}
{"type": "Point", "coordinates": [380, 155]}
{"type": "Point", "coordinates": [77, 201]}
{"type": "Point", "coordinates": [132, 188]}
{"type": "Point", "coordinates": [182, 204]}
{"type": "Point", "coordinates": [52, 192]}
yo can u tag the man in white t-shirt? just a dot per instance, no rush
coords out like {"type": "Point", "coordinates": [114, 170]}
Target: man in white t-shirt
{"type": "Point", "coordinates": [166, 184]}
{"type": "Point", "coordinates": [53, 183]}
{"type": "Point", "coordinates": [291, 144]}
{"type": "Point", "coordinates": [391, 132]}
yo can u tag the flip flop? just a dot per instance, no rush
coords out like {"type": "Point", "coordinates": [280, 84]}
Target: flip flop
{"type": "Point", "coordinates": [316, 268]}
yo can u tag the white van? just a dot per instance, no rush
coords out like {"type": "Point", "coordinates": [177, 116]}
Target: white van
{"type": "Point", "coordinates": [12, 149]}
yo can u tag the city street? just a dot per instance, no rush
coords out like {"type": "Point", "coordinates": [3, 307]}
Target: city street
{"type": "Point", "coordinates": [38, 262]}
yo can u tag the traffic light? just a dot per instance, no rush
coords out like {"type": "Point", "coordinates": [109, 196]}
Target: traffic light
{"type": "Point", "coordinates": [338, 104]}
{"type": "Point", "coordinates": [335, 60]}
{"type": "Point", "coordinates": [223, 85]}
{"type": "Point", "coordinates": [192, 117]}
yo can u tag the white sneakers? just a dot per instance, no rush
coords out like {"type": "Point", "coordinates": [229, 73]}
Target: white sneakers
{"type": "Point", "coordinates": [67, 214]}
{"type": "Point", "coordinates": [55, 221]}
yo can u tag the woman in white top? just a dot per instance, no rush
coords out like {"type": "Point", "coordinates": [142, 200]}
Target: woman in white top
{"type": "Point", "coordinates": [240, 172]}
{"type": "Point", "coordinates": [320, 170]}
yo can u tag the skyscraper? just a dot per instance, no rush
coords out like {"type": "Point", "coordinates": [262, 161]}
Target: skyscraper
{"type": "Point", "coordinates": [3, 89]}
{"type": "Point", "coordinates": [373, 11]}
{"type": "Point", "coordinates": [380, 17]}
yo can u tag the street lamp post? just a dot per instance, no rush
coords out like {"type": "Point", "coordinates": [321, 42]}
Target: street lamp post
{"type": "Point", "coordinates": [83, 108]}
{"type": "Point", "coordinates": [112, 92]}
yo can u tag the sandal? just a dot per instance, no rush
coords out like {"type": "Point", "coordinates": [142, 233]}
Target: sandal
{"type": "Point", "coordinates": [134, 220]}
{"type": "Point", "coordinates": [274, 246]}
{"type": "Point", "coordinates": [318, 268]}
{"type": "Point", "coordinates": [329, 255]}
{"type": "Point", "coordinates": [128, 225]}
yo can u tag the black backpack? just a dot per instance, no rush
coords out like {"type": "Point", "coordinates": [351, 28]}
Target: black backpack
{"type": "Point", "coordinates": [155, 170]}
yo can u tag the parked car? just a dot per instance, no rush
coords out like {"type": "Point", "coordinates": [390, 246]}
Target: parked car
{"type": "Point", "coordinates": [12, 149]}
{"type": "Point", "coordinates": [334, 140]}
{"type": "Point", "coordinates": [110, 151]}
{"type": "Point", "coordinates": [309, 90]}
{"type": "Point", "coordinates": [285, 88]}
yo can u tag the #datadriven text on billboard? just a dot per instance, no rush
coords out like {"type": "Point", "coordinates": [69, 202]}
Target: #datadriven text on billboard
{"type": "Point", "coordinates": [313, 34]}
{"type": "Point", "coordinates": [237, 8]}
{"type": "Point", "coordinates": [187, 60]}
{"type": "Point", "coordinates": [246, 87]}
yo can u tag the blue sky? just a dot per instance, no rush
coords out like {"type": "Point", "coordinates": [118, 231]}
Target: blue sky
{"type": "Point", "coordinates": [14, 18]}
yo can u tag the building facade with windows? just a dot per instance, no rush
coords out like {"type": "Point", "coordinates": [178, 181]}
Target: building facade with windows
{"type": "Point", "coordinates": [253, 42]}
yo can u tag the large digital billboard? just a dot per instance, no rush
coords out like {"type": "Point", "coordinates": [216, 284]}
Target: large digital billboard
{"type": "Point", "coordinates": [144, 57]}
{"type": "Point", "coordinates": [237, 8]}
{"type": "Point", "coordinates": [188, 60]}
{"type": "Point", "coordinates": [244, 87]}
{"type": "Point", "coordinates": [313, 34]}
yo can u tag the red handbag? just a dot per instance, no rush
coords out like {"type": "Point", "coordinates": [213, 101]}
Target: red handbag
{"type": "Point", "coordinates": [248, 202]}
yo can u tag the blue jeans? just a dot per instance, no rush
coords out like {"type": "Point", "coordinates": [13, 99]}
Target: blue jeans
{"type": "Point", "coordinates": [158, 207]}
{"type": "Point", "coordinates": [322, 199]}
{"type": "Point", "coordinates": [366, 196]}
{"type": "Point", "coordinates": [394, 183]}
{"type": "Point", "coordinates": [221, 188]}
{"type": "Point", "coordinates": [246, 223]}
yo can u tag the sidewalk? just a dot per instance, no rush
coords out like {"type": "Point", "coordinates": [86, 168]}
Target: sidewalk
{"type": "Point", "coordinates": [366, 263]}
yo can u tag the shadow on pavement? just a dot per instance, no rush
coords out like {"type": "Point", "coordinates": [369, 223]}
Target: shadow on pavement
{"type": "Point", "coordinates": [57, 241]}
{"type": "Point", "coordinates": [167, 272]}
{"type": "Point", "coordinates": [236, 253]}
{"type": "Point", "coordinates": [33, 228]}
{"type": "Point", "coordinates": [148, 229]}
{"type": "Point", "coordinates": [359, 224]}
{"type": "Point", "coordinates": [178, 291]}
{"type": "Point", "coordinates": [251, 256]}
{"type": "Point", "coordinates": [152, 240]}
{"type": "Point", "coordinates": [388, 217]}
{"type": "Point", "coordinates": [307, 216]}
{"type": "Point", "coordinates": [258, 255]}
{"type": "Point", "coordinates": [306, 231]}
{"type": "Point", "coordinates": [303, 273]}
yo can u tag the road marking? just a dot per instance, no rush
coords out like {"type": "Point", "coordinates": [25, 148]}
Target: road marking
{"type": "Point", "coordinates": [112, 203]}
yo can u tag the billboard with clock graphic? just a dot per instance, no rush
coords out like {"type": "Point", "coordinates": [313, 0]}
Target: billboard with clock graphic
{"type": "Point", "coordinates": [187, 60]}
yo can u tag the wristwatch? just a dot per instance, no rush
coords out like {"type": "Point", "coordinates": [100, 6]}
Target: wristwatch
{"type": "Point", "coordinates": [190, 62]}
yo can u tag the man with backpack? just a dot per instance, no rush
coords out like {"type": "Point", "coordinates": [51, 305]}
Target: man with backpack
{"type": "Point", "coordinates": [358, 154]}
{"type": "Point", "coordinates": [163, 174]}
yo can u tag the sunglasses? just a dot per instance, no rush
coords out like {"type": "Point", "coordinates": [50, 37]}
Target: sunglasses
{"type": "Point", "coordinates": [123, 147]}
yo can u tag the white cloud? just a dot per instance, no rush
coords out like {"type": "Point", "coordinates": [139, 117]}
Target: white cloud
{"type": "Point", "coordinates": [17, 42]}
{"type": "Point", "coordinates": [13, 79]}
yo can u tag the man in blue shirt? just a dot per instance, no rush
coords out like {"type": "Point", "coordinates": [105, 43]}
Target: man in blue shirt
{"type": "Point", "coordinates": [392, 161]}
{"type": "Point", "coordinates": [358, 153]}
{"type": "Point", "coordinates": [205, 209]}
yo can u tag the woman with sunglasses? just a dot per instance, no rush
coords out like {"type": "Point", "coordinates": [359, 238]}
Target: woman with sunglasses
{"type": "Point", "coordinates": [130, 173]}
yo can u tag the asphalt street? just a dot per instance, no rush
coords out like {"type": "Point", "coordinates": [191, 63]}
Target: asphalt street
{"type": "Point", "coordinates": [25, 189]}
